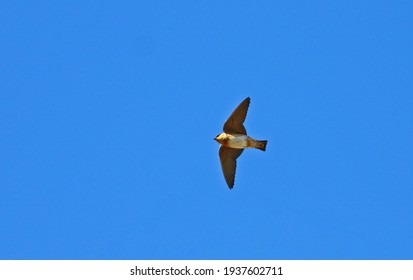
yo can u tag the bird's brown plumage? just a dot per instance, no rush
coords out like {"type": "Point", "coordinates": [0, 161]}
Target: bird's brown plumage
{"type": "Point", "coordinates": [228, 157]}
{"type": "Point", "coordinates": [233, 141]}
{"type": "Point", "coordinates": [235, 122]}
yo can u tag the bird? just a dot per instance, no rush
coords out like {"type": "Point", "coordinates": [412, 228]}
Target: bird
{"type": "Point", "coordinates": [234, 140]}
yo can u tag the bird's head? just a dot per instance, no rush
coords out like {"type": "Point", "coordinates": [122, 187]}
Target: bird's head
{"type": "Point", "coordinates": [220, 138]}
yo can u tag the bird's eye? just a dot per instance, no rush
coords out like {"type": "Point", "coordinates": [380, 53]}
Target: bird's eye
{"type": "Point", "coordinates": [217, 136]}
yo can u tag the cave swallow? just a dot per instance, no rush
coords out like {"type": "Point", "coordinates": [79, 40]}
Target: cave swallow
{"type": "Point", "coordinates": [234, 140]}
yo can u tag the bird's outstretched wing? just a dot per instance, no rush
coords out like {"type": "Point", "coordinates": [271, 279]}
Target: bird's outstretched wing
{"type": "Point", "coordinates": [228, 157]}
{"type": "Point", "coordinates": [235, 122]}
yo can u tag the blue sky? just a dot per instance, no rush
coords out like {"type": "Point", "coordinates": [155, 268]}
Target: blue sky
{"type": "Point", "coordinates": [108, 110]}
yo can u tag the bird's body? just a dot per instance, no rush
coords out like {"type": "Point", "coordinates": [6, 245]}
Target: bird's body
{"type": "Point", "coordinates": [234, 140]}
{"type": "Point", "coordinates": [240, 141]}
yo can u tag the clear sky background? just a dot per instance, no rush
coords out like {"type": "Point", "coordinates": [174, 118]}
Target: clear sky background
{"type": "Point", "coordinates": [108, 110]}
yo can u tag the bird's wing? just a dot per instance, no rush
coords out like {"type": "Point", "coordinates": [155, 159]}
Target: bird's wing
{"type": "Point", "coordinates": [235, 122]}
{"type": "Point", "coordinates": [228, 157]}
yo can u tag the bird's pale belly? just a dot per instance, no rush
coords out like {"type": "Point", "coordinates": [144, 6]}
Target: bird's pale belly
{"type": "Point", "coordinates": [238, 142]}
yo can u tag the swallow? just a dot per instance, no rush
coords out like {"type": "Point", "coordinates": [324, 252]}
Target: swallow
{"type": "Point", "coordinates": [234, 140]}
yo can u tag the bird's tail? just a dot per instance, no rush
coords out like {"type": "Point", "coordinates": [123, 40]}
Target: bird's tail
{"type": "Point", "coordinates": [261, 144]}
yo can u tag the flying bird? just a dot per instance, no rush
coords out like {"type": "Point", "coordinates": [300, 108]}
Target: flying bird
{"type": "Point", "coordinates": [234, 140]}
